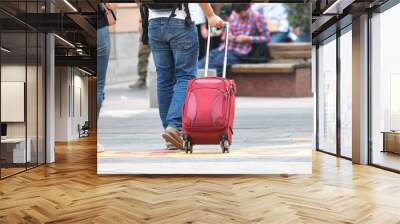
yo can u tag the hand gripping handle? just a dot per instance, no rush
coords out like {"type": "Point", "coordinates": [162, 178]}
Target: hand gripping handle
{"type": "Point", "coordinates": [225, 54]}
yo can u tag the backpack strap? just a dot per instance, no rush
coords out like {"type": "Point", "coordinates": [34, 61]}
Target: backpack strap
{"type": "Point", "coordinates": [188, 18]}
{"type": "Point", "coordinates": [144, 13]}
{"type": "Point", "coordinates": [173, 11]}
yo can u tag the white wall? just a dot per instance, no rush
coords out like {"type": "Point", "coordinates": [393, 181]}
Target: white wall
{"type": "Point", "coordinates": [14, 73]}
{"type": "Point", "coordinates": [33, 126]}
{"type": "Point", "coordinates": [70, 84]}
{"type": "Point", "coordinates": [61, 103]}
{"type": "Point", "coordinates": [80, 112]}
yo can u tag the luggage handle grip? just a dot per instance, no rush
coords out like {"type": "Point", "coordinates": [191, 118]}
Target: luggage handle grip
{"type": "Point", "coordinates": [226, 50]}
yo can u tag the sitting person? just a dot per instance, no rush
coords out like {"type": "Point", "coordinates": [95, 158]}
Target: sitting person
{"type": "Point", "coordinates": [277, 16]}
{"type": "Point", "coordinates": [299, 17]}
{"type": "Point", "coordinates": [245, 28]}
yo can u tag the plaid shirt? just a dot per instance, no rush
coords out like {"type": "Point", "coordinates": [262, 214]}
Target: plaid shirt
{"type": "Point", "coordinates": [254, 26]}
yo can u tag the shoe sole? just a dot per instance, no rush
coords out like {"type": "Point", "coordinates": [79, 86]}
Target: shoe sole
{"type": "Point", "coordinates": [169, 138]}
{"type": "Point", "coordinates": [169, 146]}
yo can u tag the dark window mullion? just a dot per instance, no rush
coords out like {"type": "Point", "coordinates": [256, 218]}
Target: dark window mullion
{"type": "Point", "coordinates": [37, 90]}
{"type": "Point", "coordinates": [26, 87]}
{"type": "Point", "coordinates": [44, 71]}
{"type": "Point", "coordinates": [369, 94]}
{"type": "Point", "coordinates": [338, 92]}
{"type": "Point", "coordinates": [316, 97]}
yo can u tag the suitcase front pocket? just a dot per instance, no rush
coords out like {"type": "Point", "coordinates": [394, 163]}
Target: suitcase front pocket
{"type": "Point", "coordinates": [206, 108]}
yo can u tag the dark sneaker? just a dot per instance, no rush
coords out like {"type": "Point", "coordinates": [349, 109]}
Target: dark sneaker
{"type": "Point", "coordinates": [140, 84]}
{"type": "Point", "coordinates": [173, 136]}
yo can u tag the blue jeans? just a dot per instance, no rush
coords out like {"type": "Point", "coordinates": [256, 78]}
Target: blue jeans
{"type": "Point", "coordinates": [216, 60]}
{"type": "Point", "coordinates": [279, 37]}
{"type": "Point", "coordinates": [303, 37]}
{"type": "Point", "coordinates": [103, 54]}
{"type": "Point", "coordinates": [174, 46]}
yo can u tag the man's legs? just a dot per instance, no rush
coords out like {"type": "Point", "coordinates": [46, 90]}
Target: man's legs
{"type": "Point", "coordinates": [216, 60]}
{"type": "Point", "coordinates": [144, 53]}
{"type": "Point", "coordinates": [279, 37]}
{"type": "Point", "coordinates": [143, 62]}
{"type": "Point", "coordinates": [202, 42]}
{"type": "Point", "coordinates": [103, 53]}
{"type": "Point", "coordinates": [184, 45]}
{"type": "Point", "coordinates": [304, 37]}
{"type": "Point", "coordinates": [165, 82]}
{"type": "Point", "coordinates": [163, 60]}
{"type": "Point", "coordinates": [175, 51]}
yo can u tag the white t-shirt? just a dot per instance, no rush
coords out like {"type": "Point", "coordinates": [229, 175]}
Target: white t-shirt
{"type": "Point", "coordinates": [180, 14]}
{"type": "Point", "coordinates": [197, 13]}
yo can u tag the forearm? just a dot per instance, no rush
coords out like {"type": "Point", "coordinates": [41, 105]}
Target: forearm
{"type": "Point", "coordinates": [208, 11]}
{"type": "Point", "coordinates": [259, 39]}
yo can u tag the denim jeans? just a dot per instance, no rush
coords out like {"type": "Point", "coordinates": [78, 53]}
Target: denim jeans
{"type": "Point", "coordinates": [103, 53]}
{"type": "Point", "coordinates": [303, 37]}
{"type": "Point", "coordinates": [279, 37]}
{"type": "Point", "coordinates": [216, 60]}
{"type": "Point", "coordinates": [174, 46]}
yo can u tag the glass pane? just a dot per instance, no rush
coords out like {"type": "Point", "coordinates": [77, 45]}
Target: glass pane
{"type": "Point", "coordinates": [13, 87]}
{"type": "Point", "coordinates": [327, 96]}
{"type": "Point", "coordinates": [41, 99]}
{"type": "Point", "coordinates": [31, 100]}
{"type": "Point", "coordinates": [32, 88]}
{"type": "Point", "coordinates": [346, 93]}
{"type": "Point", "coordinates": [22, 88]}
{"type": "Point", "coordinates": [385, 89]}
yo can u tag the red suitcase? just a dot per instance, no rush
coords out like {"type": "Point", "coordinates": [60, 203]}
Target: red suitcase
{"type": "Point", "coordinates": [209, 109]}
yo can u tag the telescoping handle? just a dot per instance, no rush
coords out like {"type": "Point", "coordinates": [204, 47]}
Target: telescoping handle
{"type": "Point", "coordinates": [226, 50]}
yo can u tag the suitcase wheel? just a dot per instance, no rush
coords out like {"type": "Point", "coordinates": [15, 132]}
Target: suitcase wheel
{"type": "Point", "coordinates": [187, 144]}
{"type": "Point", "coordinates": [224, 144]}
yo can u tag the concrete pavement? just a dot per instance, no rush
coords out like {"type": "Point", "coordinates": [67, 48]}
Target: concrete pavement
{"type": "Point", "coordinates": [271, 135]}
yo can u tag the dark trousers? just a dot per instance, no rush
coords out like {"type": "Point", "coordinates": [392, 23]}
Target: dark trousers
{"type": "Point", "coordinates": [202, 43]}
{"type": "Point", "coordinates": [216, 60]}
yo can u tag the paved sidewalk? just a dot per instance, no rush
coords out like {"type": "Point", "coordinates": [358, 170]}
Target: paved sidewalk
{"type": "Point", "coordinates": [267, 130]}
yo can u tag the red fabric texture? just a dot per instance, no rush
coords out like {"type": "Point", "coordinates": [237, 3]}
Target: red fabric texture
{"type": "Point", "coordinates": [209, 110]}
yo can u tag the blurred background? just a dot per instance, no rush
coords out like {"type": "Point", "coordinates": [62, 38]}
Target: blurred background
{"type": "Point", "coordinates": [294, 18]}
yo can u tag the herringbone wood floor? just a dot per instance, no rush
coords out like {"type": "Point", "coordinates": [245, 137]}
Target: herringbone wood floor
{"type": "Point", "coordinates": [70, 191]}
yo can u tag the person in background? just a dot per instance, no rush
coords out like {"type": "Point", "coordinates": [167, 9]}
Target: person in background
{"type": "Point", "coordinates": [143, 62]}
{"type": "Point", "coordinates": [277, 16]}
{"type": "Point", "coordinates": [245, 29]}
{"type": "Point", "coordinates": [300, 20]}
{"type": "Point", "coordinates": [200, 21]}
{"type": "Point", "coordinates": [103, 54]}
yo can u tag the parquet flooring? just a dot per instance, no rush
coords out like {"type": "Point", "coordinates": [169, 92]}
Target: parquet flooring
{"type": "Point", "coordinates": [70, 191]}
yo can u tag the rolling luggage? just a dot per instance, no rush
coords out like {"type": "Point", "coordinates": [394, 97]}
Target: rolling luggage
{"type": "Point", "coordinates": [209, 108]}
